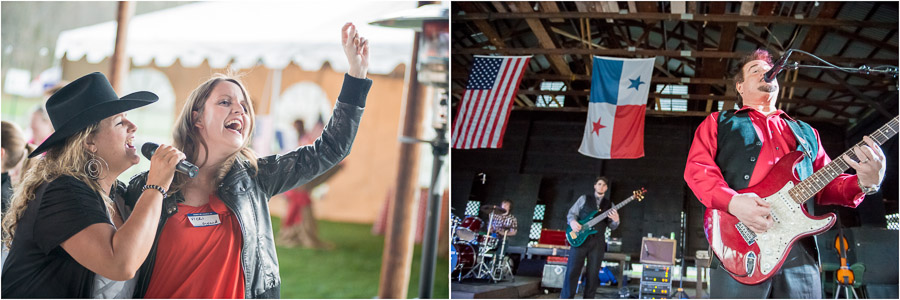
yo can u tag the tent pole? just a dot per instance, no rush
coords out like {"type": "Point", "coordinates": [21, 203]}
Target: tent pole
{"type": "Point", "coordinates": [120, 63]}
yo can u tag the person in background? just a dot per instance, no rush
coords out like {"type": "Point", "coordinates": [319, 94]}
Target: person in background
{"type": "Point", "coordinates": [594, 246]}
{"type": "Point", "coordinates": [66, 237]}
{"type": "Point", "coordinates": [506, 223]}
{"type": "Point", "coordinates": [299, 225]}
{"type": "Point", "coordinates": [13, 153]}
{"type": "Point", "coordinates": [40, 126]}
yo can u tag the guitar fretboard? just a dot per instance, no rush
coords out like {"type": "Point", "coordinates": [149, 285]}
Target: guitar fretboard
{"type": "Point", "coordinates": [602, 216]}
{"type": "Point", "coordinates": [818, 180]}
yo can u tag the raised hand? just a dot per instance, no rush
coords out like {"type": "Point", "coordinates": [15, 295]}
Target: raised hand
{"type": "Point", "coordinates": [357, 50]}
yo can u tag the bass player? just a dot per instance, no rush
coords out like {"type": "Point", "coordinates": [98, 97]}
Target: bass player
{"type": "Point", "coordinates": [594, 246]}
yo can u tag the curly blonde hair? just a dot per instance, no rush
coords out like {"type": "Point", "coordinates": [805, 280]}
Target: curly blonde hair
{"type": "Point", "coordinates": [64, 159]}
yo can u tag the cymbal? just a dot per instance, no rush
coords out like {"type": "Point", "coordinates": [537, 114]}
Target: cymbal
{"type": "Point", "coordinates": [492, 209]}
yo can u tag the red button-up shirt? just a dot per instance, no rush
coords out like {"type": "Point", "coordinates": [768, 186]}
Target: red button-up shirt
{"type": "Point", "coordinates": [705, 178]}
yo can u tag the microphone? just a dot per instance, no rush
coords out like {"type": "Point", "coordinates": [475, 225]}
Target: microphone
{"type": "Point", "coordinates": [777, 67]}
{"type": "Point", "coordinates": [183, 166]}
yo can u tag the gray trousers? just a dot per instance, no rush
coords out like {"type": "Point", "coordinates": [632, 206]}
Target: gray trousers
{"type": "Point", "coordinates": [797, 278]}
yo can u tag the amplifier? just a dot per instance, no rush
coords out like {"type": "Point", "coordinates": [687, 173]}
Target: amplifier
{"type": "Point", "coordinates": [646, 278]}
{"type": "Point", "coordinates": [656, 281]}
{"type": "Point", "coordinates": [657, 251]}
{"type": "Point", "coordinates": [656, 289]}
{"type": "Point", "coordinates": [554, 275]}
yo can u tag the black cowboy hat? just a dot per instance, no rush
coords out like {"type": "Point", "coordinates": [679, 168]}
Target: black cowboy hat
{"type": "Point", "coordinates": [86, 101]}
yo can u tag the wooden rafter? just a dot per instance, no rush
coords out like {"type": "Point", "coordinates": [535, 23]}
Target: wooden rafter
{"type": "Point", "coordinates": [556, 60]}
{"type": "Point", "coordinates": [667, 53]}
{"type": "Point", "coordinates": [675, 17]}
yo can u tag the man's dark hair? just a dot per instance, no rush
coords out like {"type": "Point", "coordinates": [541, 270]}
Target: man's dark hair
{"type": "Point", "coordinates": [605, 180]}
{"type": "Point", "coordinates": [758, 54]}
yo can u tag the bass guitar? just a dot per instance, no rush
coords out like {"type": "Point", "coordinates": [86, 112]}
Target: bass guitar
{"type": "Point", "coordinates": [576, 238]}
{"type": "Point", "coordinates": [751, 258]}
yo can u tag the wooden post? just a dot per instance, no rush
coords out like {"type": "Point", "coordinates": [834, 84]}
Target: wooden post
{"type": "Point", "coordinates": [396, 260]}
{"type": "Point", "coordinates": [120, 63]}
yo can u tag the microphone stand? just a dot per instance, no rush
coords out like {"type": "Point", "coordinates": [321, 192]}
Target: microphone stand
{"type": "Point", "coordinates": [859, 70]}
{"type": "Point", "coordinates": [885, 70]}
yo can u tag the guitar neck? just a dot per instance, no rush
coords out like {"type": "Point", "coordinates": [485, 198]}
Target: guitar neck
{"type": "Point", "coordinates": [602, 216]}
{"type": "Point", "coordinates": [818, 180]}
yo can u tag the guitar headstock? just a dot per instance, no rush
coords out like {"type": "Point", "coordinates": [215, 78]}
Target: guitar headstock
{"type": "Point", "coordinates": [639, 194]}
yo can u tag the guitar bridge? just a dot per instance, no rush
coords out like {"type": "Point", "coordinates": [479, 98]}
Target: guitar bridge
{"type": "Point", "coordinates": [748, 235]}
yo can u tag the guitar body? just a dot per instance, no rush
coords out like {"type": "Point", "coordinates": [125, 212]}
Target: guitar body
{"type": "Point", "coordinates": [577, 238]}
{"type": "Point", "coordinates": [752, 258]}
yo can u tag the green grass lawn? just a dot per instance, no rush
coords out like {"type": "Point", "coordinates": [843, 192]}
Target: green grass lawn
{"type": "Point", "coordinates": [351, 270]}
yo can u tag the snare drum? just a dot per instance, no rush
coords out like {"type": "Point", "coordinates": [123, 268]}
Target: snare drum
{"type": "Point", "coordinates": [487, 242]}
{"type": "Point", "coordinates": [468, 230]}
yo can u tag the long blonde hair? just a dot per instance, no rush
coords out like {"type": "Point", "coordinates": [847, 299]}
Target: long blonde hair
{"type": "Point", "coordinates": [187, 137]}
{"type": "Point", "coordinates": [66, 159]}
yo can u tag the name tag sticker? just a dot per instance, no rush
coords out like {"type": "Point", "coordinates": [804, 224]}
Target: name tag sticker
{"type": "Point", "coordinates": [204, 219]}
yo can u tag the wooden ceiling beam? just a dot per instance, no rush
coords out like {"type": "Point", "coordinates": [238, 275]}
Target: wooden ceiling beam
{"type": "Point", "coordinates": [708, 18]}
{"type": "Point", "coordinates": [551, 7]}
{"type": "Point", "coordinates": [856, 92]}
{"type": "Point", "coordinates": [817, 31]}
{"type": "Point", "coordinates": [556, 59]}
{"type": "Point", "coordinates": [662, 113]}
{"type": "Point", "coordinates": [483, 26]}
{"type": "Point", "coordinates": [668, 53]}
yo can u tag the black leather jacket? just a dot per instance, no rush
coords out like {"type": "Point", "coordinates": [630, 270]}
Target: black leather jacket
{"type": "Point", "coordinates": [247, 194]}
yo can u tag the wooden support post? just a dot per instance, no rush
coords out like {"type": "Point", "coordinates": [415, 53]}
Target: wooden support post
{"type": "Point", "coordinates": [120, 63]}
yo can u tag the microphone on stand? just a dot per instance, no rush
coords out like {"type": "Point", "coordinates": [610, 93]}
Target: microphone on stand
{"type": "Point", "coordinates": [777, 67]}
{"type": "Point", "coordinates": [183, 166]}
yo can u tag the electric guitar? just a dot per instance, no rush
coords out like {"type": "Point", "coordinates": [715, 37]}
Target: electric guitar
{"type": "Point", "coordinates": [751, 258]}
{"type": "Point", "coordinates": [576, 238]}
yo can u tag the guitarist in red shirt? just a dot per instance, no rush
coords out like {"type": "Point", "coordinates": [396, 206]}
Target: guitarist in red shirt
{"type": "Point", "coordinates": [594, 246]}
{"type": "Point", "coordinates": [734, 150]}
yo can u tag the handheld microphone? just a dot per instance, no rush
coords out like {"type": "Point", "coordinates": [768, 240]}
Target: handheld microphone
{"type": "Point", "coordinates": [777, 67]}
{"type": "Point", "coordinates": [183, 166]}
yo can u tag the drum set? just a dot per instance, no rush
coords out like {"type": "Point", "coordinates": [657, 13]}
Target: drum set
{"type": "Point", "coordinates": [470, 257]}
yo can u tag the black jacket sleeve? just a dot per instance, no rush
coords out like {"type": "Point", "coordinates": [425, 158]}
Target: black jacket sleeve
{"type": "Point", "coordinates": [280, 173]}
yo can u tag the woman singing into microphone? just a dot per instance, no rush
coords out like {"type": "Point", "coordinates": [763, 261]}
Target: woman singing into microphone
{"type": "Point", "coordinates": [67, 237]}
{"type": "Point", "coordinates": [214, 238]}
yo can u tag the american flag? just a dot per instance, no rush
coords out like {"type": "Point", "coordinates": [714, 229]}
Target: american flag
{"type": "Point", "coordinates": [485, 106]}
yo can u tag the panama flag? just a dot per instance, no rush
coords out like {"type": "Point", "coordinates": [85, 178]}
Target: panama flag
{"type": "Point", "coordinates": [615, 121]}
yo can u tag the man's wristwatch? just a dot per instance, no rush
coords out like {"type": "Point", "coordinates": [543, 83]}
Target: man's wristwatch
{"type": "Point", "coordinates": [868, 190]}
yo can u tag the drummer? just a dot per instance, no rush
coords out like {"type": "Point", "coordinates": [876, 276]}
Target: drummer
{"type": "Point", "coordinates": [505, 223]}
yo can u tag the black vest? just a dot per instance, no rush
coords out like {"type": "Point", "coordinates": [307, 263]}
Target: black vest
{"type": "Point", "coordinates": [738, 147]}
